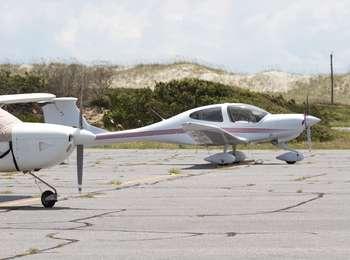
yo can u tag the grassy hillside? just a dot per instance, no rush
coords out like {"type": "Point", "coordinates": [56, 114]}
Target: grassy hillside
{"type": "Point", "coordinates": [146, 75]}
{"type": "Point", "coordinates": [318, 88]}
{"type": "Point", "coordinates": [65, 79]}
{"type": "Point", "coordinates": [292, 86]}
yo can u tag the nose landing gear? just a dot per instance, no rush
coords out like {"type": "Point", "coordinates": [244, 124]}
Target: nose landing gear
{"type": "Point", "coordinates": [290, 157]}
{"type": "Point", "coordinates": [48, 198]}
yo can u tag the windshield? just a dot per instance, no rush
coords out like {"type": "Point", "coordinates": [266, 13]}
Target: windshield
{"type": "Point", "coordinates": [248, 114]}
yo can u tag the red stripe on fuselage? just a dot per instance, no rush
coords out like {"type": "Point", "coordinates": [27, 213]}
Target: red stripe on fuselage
{"type": "Point", "coordinates": [253, 130]}
{"type": "Point", "coordinates": [139, 134]}
{"type": "Point", "coordinates": [117, 135]}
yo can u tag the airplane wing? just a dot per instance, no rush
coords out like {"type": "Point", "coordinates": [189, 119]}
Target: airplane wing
{"type": "Point", "coordinates": [25, 98]}
{"type": "Point", "coordinates": [211, 134]}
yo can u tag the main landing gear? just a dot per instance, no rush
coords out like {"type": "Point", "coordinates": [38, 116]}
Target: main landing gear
{"type": "Point", "coordinates": [48, 197]}
{"type": "Point", "coordinates": [226, 157]}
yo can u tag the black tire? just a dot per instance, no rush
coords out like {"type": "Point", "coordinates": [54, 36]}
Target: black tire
{"type": "Point", "coordinates": [291, 162]}
{"type": "Point", "coordinates": [48, 203]}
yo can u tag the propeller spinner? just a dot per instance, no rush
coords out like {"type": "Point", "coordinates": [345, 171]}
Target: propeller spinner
{"type": "Point", "coordinates": [309, 121]}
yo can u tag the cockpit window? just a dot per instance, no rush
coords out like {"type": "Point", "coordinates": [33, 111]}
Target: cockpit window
{"type": "Point", "coordinates": [210, 114]}
{"type": "Point", "coordinates": [248, 114]}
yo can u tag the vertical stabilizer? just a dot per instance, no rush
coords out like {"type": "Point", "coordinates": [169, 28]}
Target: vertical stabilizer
{"type": "Point", "coordinates": [64, 111]}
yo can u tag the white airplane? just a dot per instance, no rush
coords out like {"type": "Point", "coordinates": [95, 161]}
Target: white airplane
{"type": "Point", "coordinates": [29, 147]}
{"type": "Point", "coordinates": [221, 124]}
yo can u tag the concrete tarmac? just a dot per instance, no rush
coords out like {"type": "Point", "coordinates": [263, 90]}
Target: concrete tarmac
{"type": "Point", "coordinates": [170, 204]}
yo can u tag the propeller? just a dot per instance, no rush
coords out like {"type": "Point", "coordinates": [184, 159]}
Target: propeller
{"type": "Point", "coordinates": [80, 147]}
{"type": "Point", "coordinates": [307, 126]}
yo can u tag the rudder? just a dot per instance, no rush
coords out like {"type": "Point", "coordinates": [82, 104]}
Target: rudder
{"type": "Point", "coordinates": [64, 111]}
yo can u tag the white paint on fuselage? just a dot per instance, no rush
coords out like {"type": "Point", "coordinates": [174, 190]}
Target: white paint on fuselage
{"type": "Point", "coordinates": [279, 127]}
{"type": "Point", "coordinates": [36, 146]}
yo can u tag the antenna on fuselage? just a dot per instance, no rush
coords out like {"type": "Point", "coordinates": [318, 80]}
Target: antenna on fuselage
{"type": "Point", "coordinates": [156, 114]}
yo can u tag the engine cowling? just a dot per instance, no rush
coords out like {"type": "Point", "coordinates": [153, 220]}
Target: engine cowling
{"type": "Point", "coordinates": [37, 146]}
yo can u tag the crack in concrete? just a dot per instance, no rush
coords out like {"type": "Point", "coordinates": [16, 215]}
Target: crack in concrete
{"type": "Point", "coordinates": [189, 234]}
{"type": "Point", "coordinates": [84, 223]}
{"type": "Point", "coordinates": [303, 178]}
{"type": "Point", "coordinates": [175, 234]}
{"type": "Point", "coordinates": [134, 185]}
{"type": "Point", "coordinates": [68, 240]}
{"type": "Point", "coordinates": [319, 196]}
{"type": "Point", "coordinates": [158, 238]}
{"type": "Point", "coordinates": [88, 224]}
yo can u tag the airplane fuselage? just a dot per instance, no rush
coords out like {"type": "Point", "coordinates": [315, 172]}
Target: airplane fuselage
{"type": "Point", "coordinates": [278, 127]}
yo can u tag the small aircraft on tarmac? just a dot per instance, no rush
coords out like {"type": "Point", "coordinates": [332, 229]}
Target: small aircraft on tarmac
{"type": "Point", "coordinates": [29, 147]}
{"type": "Point", "coordinates": [228, 124]}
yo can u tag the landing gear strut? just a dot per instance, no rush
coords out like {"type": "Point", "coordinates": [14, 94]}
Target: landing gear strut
{"type": "Point", "coordinates": [226, 157]}
{"type": "Point", "coordinates": [48, 198]}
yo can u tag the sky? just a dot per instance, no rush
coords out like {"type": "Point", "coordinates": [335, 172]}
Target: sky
{"type": "Point", "coordinates": [237, 35]}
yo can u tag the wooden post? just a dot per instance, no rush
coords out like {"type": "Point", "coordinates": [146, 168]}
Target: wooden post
{"type": "Point", "coordinates": [332, 80]}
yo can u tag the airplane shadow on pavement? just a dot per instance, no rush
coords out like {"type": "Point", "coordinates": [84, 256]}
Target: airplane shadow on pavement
{"type": "Point", "coordinates": [207, 166]}
{"type": "Point", "coordinates": [5, 200]}
{"type": "Point", "coordinates": [33, 208]}
{"type": "Point", "coordinates": [8, 198]}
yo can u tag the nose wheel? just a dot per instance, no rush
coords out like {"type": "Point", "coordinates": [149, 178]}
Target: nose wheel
{"type": "Point", "coordinates": [291, 162]}
{"type": "Point", "coordinates": [48, 197]}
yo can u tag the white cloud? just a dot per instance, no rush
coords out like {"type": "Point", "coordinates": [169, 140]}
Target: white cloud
{"type": "Point", "coordinates": [245, 35]}
{"type": "Point", "coordinates": [300, 34]}
{"type": "Point", "coordinates": [95, 27]}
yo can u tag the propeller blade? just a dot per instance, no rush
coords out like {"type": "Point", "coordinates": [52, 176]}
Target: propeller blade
{"type": "Point", "coordinates": [80, 161]}
{"type": "Point", "coordinates": [307, 125]}
{"type": "Point", "coordinates": [80, 148]}
{"type": "Point", "coordinates": [308, 136]}
{"type": "Point", "coordinates": [306, 111]}
{"type": "Point", "coordinates": [81, 108]}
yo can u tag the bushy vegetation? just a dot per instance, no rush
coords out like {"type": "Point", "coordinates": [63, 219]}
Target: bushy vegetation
{"type": "Point", "coordinates": [56, 78]}
{"type": "Point", "coordinates": [11, 83]}
{"type": "Point", "coordinates": [128, 108]}
{"type": "Point", "coordinates": [319, 89]}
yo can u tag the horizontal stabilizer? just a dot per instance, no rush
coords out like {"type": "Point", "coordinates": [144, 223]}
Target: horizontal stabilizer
{"type": "Point", "coordinates": [26, 98]}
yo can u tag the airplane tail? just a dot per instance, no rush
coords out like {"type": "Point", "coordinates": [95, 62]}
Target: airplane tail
{"type": "Point", "coordinates": [64, 111]}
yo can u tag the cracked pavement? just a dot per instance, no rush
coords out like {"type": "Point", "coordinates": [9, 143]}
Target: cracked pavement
{"type": "Point", "coordinates": [132, 208]}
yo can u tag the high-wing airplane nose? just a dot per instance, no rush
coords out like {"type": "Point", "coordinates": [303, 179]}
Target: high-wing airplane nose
{"type": "Point", "coordinates": [312, 120]}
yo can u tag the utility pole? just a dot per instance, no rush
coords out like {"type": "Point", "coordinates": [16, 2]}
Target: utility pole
{"type": "Point", "coordinates": [332, 80]}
